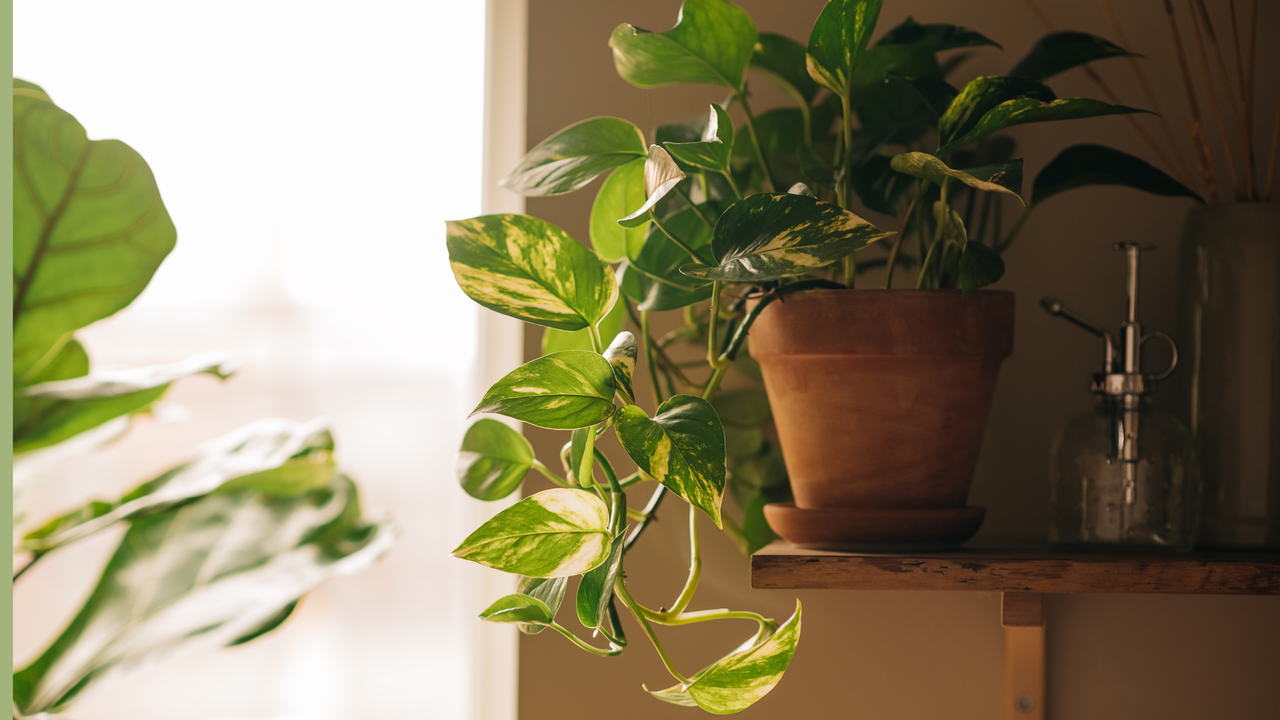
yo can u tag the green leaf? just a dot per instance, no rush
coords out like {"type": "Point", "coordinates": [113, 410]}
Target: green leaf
{"type": "Point", "coordinates": [711, 44]}
{"type": "Point", "coordinates": [89, 227]}
{"type": "Point", "coordinates": [928, 167]}
{"type": "Point", "coordinates": [596, 588]}
{"type": "Point", "coordinates": [518, 608]}
{"type": "Point", "coordinates": [879, 187]}
{"type": "Point", "coordinates": [882, 62]}
{"type": "Point", "coordinates": [270, 455]}
{"type": "Point", "coordinates": [783, 61]}
{"type": "Point", "coordinates": [493, 460]}
{"type": "Point", "coordinates": [953, 229]}
{"type": "Point", "coordinates": [838, 39]}
{"type": "Point", "coordinates": [980, 266]}
{"type": "Point", "coordinates": [561, 391]}
{"type": "Point", "coordinates": [661, 258]}
{"type": "Point", "coordinates": [575, 156]}
{"type": "Point", "coordinates": [738, 681]}
{"type": "Point", "coordinates": [654, 296]}
{"type": "Point", "coordinates": [661, 175]}
{"type": "Point", "coordinates": [1082, 165]}
{"type": "Point", "coordinates": [622, 354]}
{"type": "Point", "coordinates": [531, 270]}
{"type": "Point", "coordinates": [981, 95]}
{"type": "Point", "coordinates": [55, 411]}
{"type": "Point", "coordinates": [747, 407]}
{"type": "Point", "coordinates": [70, 361]}
{"type": "Point", "coordinates": [937, 37]}
{"type": "Point", "coordinates": [554, 533]}
{"type": "Point", "coordinates": [203, 574]}
{"type": "Point", "coordinates": [715, 148]}
{"type": "Point", "coordinates": [1061, 51]}
{"type": "Point", "coordinates": [559, 340]}
{"type": "Point", "coordinates": [549, 590]}
{"type": "Point", "coordinates": [623, 190]}
{"type": "Point", "coordinates": [776, 235]}
{"type": "Point", "coordinates": [1030, 110]}
{"type": "Point", "coordinates": [682, 447]}
{"type": "Point", "coordinates": [1007, 175]}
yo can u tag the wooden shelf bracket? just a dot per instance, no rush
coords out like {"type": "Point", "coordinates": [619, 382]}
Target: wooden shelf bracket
{"type": "Point", "coordinates": [1022, 615]}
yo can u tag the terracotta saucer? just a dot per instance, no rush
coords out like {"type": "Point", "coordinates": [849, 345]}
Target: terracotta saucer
{"type": "Point", "coordinates": [870, 530]}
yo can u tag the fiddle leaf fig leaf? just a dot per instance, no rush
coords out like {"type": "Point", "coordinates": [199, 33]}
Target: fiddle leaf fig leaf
{"type": "Point", "coordinates": [561, 391]}
{"type": "Point", "coordinates": [936, 37]}
{"type": "Point", "coordinates": [981, 95]}
{"type": "Point", "coordinates": [575, 156]}
{"type": "Point", "coordinates": [554, 533]}
{"type": "Point", "coordinates": [622, 354]}
{"type": "Point", "coordinates": [70, 361]}
{"type": "Point", "coordinates": [52, 412]}
{"type": "Point", "coordinates": [531, 270]}
{"type": "Point", "coordinates": [783, 61]}
{"type": "Point", "coordinates": [839, 38]}
{"type": "Point", "coordinates": [1029, 110]}
{"type": "Point", "coordinates": [928, 167]}
{"type": "Point", "coordinates": [89, 227]}
{"type": "Point", "coordinates": [518, 608]}
{"type": "Point", "coordinates": [711, 44]}
{"type": "Point", "coordinates": [661, 175]}
{"type": "Point", "coordinates": [980, 266]}
{"type": "Point", "coordinates": [549, 590]}
{"type": "Point", "coordinates": [272, 454]}
{"type": "Point", "coordinates": [1061, 51]}
{"type": "Point", "coordinates": [559, 340]}
{"type": "Point", "coordinates": [623, 190]}
{"type": "Point", "coordinates": [681, 447]}
{"type": "Point", "coordinates": [494, 460]}
{"type": "Point", "coordinates": [714, 150]}
{"type": "Point", "coordinates": [1081, 165]}
{"type": "Point", "coordinates": [596, 588]}
{"type": "Point", "coordinates": [770, 236]}
{"type": "Point", "coordinates": [739, 680]}
{"type": "Point", "coordinates": [203, 574]}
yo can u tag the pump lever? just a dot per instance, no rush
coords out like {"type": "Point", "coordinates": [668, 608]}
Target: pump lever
{"type": "Point", "coordinates": [1057, 308]}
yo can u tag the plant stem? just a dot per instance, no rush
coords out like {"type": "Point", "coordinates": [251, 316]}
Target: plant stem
{"type": "Point", "coordinates": [547, 472]}
{"type": "Point", "coordinates": [695, 565]}
{"type": "Point", "coordinates": [596, 342]}
{"type": "Point", "coordinates": [673, 618]}
{"type": "Point", "coordinates": [650, 514]}
{"type": "Point", "coordinates": [897, 242]}
{"type": "Point", "coordinates": [770, 186]}
{"type": "Point", "coordinates": [587, 464]}
{"type": "Point", "coordinates": [713, 327]}
{"type": "Point", "coordinates": [732, 185]}
{"type": "Point", "coordinates": [844, 191]}
{"type": "Point", "coordinates": [678, 241]}
{"type": "Point", "coordinates": [612, 651]}
{"type": "Point", "coordinates": [937, 238]}
{"type": "Point", "coordinates": [35, 557]}
{"type": "Point", "coordinates": [620, 589]}
{"type": "Point", "coordinates": [694, 206]}
{"type": "Point", "coordinates": [648, 352]}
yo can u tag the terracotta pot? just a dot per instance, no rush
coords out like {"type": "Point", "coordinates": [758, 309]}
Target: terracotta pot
{"type": "Point", "coordinates": [881, 396]}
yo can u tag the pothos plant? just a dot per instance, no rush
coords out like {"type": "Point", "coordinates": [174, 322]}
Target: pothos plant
{"type": "Point", "coordinates": [217, 550]}
{"type": "Point", "coordinates": [695, 223]}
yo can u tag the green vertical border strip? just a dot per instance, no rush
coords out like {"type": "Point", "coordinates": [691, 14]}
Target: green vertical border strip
{"type": "Point", "coordinates": [7, 205]}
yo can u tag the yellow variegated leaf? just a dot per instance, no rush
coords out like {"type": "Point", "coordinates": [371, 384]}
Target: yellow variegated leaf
{"type": "Point", "coordinates": [554, 533]}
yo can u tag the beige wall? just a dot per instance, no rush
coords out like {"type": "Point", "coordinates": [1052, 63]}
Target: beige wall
{"type": "Point", "coordinates": [885, 655]}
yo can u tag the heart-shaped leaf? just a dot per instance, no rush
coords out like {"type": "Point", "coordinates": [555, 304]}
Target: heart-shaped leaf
{"type": "Point", "coordinates": [936, 37]}
{"type": "Point", "coordinates": [783, 61]}
{"type": "Point", "coordinates": [1060, 51]}
{"type": "Point", "coordinates": [596, 588]}
{"type": "Point", "coordinates": [560, 340]}
{"type": "Point", "coordinates": [204, 574]}
{"type": "Point", "coordinates": [622, 354]}
{"type": "Point", "coordinates": [682, 447]}
{"type": "Point", "coordinates": [575, 156]}
{"type": "Point", "coordinates": [518, 608]}
{"type": "Point", "coordinates": [928, 167]}
{"type": "Point", "coordinates": [561, 391]}
{"type": "Point", "coordinates": [980, 266]}
{"type": "Point", "coordinates": [711, 44]}
{"type": "Point", "coordinates": [531, 270]}
{"type": "Point", "coordinates": [771, 236]}
{"type": "Point", "coordinates": [549, 590]}
{"type": "Point", "coordinates": [493, 460]}
{"type": "Point", "coordinates": [49, 413]}
{"type": "Point", "coordinates": [1029, 110]}
{"type": "Point", "coordinates": [736, 682]}
{"type": "Point", "coordinates": [661, 175]}
{"type": "Point", "coordinates": [839, 38]}
{"type": "Point", "coordinates": [981, 95]}
{"type": "Point", "coordinates": [554, 533]}
{"type": "Point", "coordinates": [1081, 165]}
{"type": "Point", "coordinates": [273, 454]}
{"type": "Point", "coordinates": [89, 227]}
{"type": "Point", "coordinates": [715, 148]}
{"type": "Point", "coordinates": [622, 191]}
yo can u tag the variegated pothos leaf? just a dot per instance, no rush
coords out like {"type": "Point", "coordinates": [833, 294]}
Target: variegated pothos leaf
{"type": "Point", "coordinates": [517, 608]}
{"type": "Point", "coordinates": [549, 590]}
{"type": "Point", "coordinates": [714, 150]}
{"type": "Point", "coordinates": [554, 533]}
{"type": "Point", "coordinates": [928, 167]}
{"type": "Point", "coordinates": [681, 447]}
{"type": "Point", "coordinates": [531, 270]}
{"type": "Point", "coordinates": [661, 175]}
{"type": "Point", "coordinates": [622, 354]}
{"type": "Point", "coordinates": [711, 44]}
{"type": "Point", "coordinates": [561, 391]}
{"type": "Point", "coordinates": [776, 235]}
{"type": "Point", "coordinates": [493, 460]}
{"type": "Point", "coordinates": [1024, 110]}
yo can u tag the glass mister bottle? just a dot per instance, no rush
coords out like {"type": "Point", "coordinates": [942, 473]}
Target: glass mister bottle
{"type": "Point", "coordinates": [1124, 477]}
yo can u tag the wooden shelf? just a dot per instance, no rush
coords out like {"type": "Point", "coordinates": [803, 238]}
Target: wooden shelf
{"type": "Point", "coordinates": [1002, 569]}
